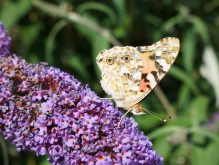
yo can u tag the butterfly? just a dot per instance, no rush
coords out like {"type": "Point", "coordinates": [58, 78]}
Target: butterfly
{"type": "Point", "coordinates": [129, 73]}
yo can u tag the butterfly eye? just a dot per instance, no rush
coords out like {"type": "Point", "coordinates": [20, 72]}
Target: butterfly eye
{"type": "Point", "coordinates": [109, 61]}
{"type": "Point", "coordinates": [127, 58]}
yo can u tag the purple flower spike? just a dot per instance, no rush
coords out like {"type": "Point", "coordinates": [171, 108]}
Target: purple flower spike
{"type": "Point", "coordinates": [45, 110]}
{"type": "Point", "coordinates": [4, 41]}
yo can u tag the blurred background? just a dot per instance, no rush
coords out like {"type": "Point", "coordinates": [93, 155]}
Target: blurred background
{"type": "Point", "coordinates": [69, 34]}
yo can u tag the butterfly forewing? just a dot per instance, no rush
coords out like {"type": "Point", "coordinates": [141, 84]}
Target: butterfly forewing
{"type": "Point", "coordinates": [156, 61]}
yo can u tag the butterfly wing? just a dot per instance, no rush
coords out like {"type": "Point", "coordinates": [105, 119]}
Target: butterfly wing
{"type": "Point", "coordinates": [156, 61]}
{"type": "Point", "coordinates": [130, 73]}
{"type": "Point", "coordinates": [121, 69]}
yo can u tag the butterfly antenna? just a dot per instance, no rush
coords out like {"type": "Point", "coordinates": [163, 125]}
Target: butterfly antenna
{"type": "Point", "coordinates": [156, 115]}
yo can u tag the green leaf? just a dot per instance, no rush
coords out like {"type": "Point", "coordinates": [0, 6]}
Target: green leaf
{"type": "Point", "coordinates": [184, 97]}
{"type": "Point", "coordinates": [28, 34]}
{"type": "Point", "coordinates": [120, 7]}
{"type": "Point", "coordinates": [201, 28]}
{"type": "Point", "coordinates": [184, 77]}
{"type": "Point", "coordinates": [211, 154]}
{"type": "Point", "coordinates": [142, 121]}
{"type": "Point", "coordinates": [167, 26]}
{"type": "Point", "coordinates": [205, 133]}
{"type": "Point", "coordinates": [183, 10]}
{"type": "Point", "coordinates": [51, 39]}
{"type": "Point", "coordinates": [183, 120]}
{"type": "Point", "coordinates": [198, 139]}
{"type": "Point", "coordinates": [76, 64]}
{"type": "Point", "coordinates": [189, 43]}
{"type": "Point", "coordinates": [162, 147]}
{"type": "Point", "coordinates": [33, 57]}
{"type": "Point", "coordinates": [153, 19]}
{"type": "Point", "coordinates": [97, 6]}
{"type": "Point", "coordinates": [163, 131]}
{"type": "Point", "coordinates": [12, 12]}
{"type": "Point", "coordinates": [178, 155]}
{"type": "Point", "coordinates": [198, 110]}
{"type": "Point", "coordinates": [198, 156]}
{"type": "Point", "coordinates": [88, 33]}
{"type": "Point", "coordinates": [124, 19]}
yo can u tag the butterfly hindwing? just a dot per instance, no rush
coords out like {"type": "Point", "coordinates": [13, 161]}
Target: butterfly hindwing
{"type": "Point", "coordinates": [121, 72]}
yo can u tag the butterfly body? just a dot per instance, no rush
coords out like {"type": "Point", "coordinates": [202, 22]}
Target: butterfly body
{"type": "Point", "coordinates": [130, 73]}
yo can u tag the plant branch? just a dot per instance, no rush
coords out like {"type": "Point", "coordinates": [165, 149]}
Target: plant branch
{"type": "Point", "coordinates": [56, 11]}
{"type": "Point", "coordinates": [160, 94]}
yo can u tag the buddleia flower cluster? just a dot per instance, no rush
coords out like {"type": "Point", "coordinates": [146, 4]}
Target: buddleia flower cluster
{"type": "Point", "coordinates": [48, 111]}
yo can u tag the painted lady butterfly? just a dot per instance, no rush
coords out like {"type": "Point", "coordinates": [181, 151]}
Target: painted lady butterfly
{"type": "Point", "coordinates": [130, 73]}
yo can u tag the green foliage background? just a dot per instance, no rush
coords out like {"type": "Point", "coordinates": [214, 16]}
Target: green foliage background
{"type": "Point", "coordinates": [69, 34]}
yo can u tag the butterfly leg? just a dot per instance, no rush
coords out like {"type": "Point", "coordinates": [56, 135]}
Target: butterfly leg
{"type": "Point", "coordinates": [123, 117]}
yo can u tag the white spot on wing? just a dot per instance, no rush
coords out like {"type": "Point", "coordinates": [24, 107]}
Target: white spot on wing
{"type": "Point", "coordinates": [124, 70]}
{"type": "Point", "coordinates": [164, 64]}
{"type": "Point", "coordinates": [151, 78]}
{"type": "Point", "coordinates": [158, 53]}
